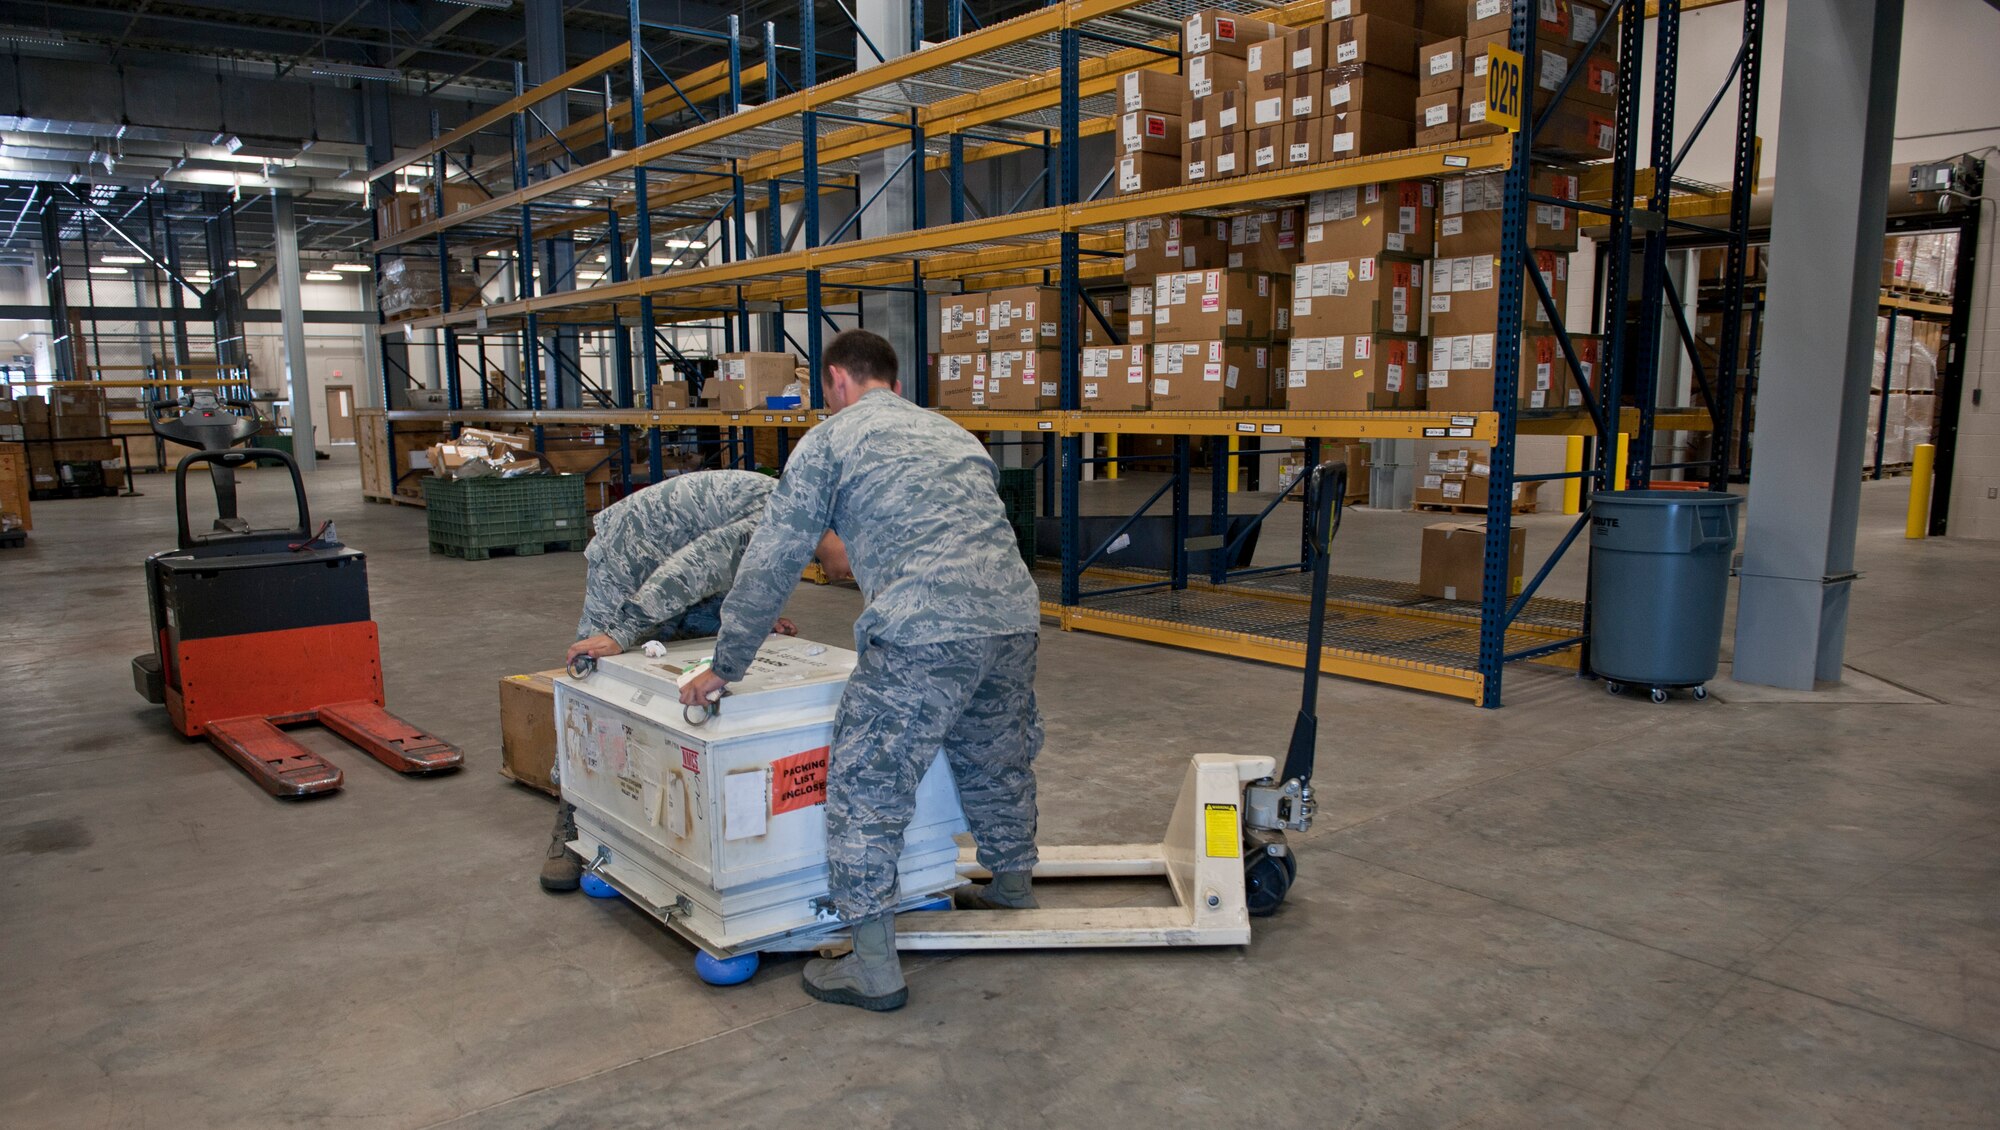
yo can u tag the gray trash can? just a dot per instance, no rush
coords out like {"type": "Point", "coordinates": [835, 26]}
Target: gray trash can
{"type": "Point", "coordinates": [1659, 581]}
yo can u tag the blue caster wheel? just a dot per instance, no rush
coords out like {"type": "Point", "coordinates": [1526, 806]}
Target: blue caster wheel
{"type": "Point", "coordinates": [726, 970]}
{"type": "Point", "coordinates": [597, 888]}
{"type": "Point", "coordinates": [942, 902]}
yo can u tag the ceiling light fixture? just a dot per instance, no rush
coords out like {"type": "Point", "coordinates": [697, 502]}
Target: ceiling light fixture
{"type": "Point", "coordinates": [133, 260]}
{"type": "Point", "coordinates": [109, 271]}
{"type": "Point", "coordinates": [583, 202]}
{"type": "Point", "coordinates": [356, 268]}
{"type": "Point", "coordinates": [244, 264]}
{"type": "Point", "coordinates": [490, 5]}
{"type": "Point", "coordinates": [322, 276]}
{"type": "Point", "coordinates": [356, 70]}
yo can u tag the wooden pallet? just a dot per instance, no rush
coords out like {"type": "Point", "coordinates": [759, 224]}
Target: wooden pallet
{"type": "Point", "coordinates": [397, 499]}
{"type": "Point", "coordinates": [527, 549]}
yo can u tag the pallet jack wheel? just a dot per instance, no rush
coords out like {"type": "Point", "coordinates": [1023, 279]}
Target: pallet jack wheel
{"type": "Point", "coordinates": [1266, 881]}
{"type": "Point", "coordinates": [725, 970]}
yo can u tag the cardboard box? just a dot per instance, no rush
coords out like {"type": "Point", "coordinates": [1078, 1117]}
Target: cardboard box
{"type": "Point", "coordinates": [1367, 88]}
{"type": "Point", "coordinates": [1149, 131]}
{"type": "Point", "coordinates": [1296, 145]}
{"type": "Point", "coordinates": [1173, 243]}
{"type": "Point", "coordinates": [1486, 17]}
{"type": "Point", "coordinates": [1264, 241]}
{"type": "Point", "coordinates": [1453, 561]}
{"type": "Point", "coordinates": [79, 427]}
{"type": "Point", "coordinates": [1210, 72]}
{"type": "Point", "coordinates": [961, 381]}
{"type": "Point", "coordinates": [528, 730]}
{"type": "Point", "coordinates": [77, 402]}
{"type": "Point", "coordinates": [1139, 312]}
{"type": "Point", "coordinates": [1598, 84]}
{"type": "Point", "coordinates": [1582, 132]}
{"type": "Point", "coordinates": [1282, 98]}
{"type": "Point", "coordinates": [1269, 145]}
{"type": "Point", "coordinates": [85, 450]}
{"type": "Point", "coordinates": [1469, 213]}
{"type": "Point", "coordinates": [673, 396]}
{"type": "Point", "coordinates": [1353, 373]}
{"type": "Point", "coordinates": [1104, 317]}
{"type": "Point", "coordinates": [1372, 39]}
{"type": "Point", "coordinates": [1158, 91]}
{"type": "Point", "coordinates": [1023, 380]}
{"type": "Point", "coordinates": [1113, 378]}
{"type": "Point", "coordinates": [14, 485]}
{"type": "Point", "coordinates": [1305, 49]}
{"type": "Point", "coordinates": [962, 324]}
{"type": "Point", "coordinates": [742, 381]}
{"type": "Point", "coordinates": [42, 467]}
{"type": "Point", "coordinates": [1359, 134]}
{"type": "Point", "coordinates": [1461, 373]}
{"type": "Point", "coordinates": [1441, 66]}
{"type": "Point", "coordinates": [1222, 32]}
{"type": "Point", "coordinates": [1215, 113]}
{"type": "Point", "coordinates": [1437, 117]}
{"type": "Point", "coordinates": [1367, 294]}
{"type": "Point", "coordinates": [1266, 59]}
{"type": "Point", "coordinates": [33, 410]}
{"type": "Point", "coordinates": [1228, 155]}
{"type": "Point", "coordinates": [1437, 17]}
{"type": "Point", "coordinates": [1343, 223]}
{"type": "Point", "coordinates": [1585, 18]}
{"type": "Point", "coordinates": [398, 212]}
{"type": "Point", "coordinates": [1212, 305]}
{"type": "Point", "coordinates": [1024, 317]}
{"type": "Point", "coordinates": [1147, 172]}
{"type": "Point", "coordinates": [1465, 295]}
{"type": "Point", "coordinates": [1200, 376]}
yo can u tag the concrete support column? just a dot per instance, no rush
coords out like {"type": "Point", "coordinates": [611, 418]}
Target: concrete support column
{"type": "Point", "coordinates": [1839, 109]}
{"type": "Point", "coordinates": [893, 315]}
{"type": "Point", "coordinates": [291, 312]}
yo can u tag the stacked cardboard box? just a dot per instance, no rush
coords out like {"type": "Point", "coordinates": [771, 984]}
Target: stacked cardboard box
{"type": "Point", "coordinates": [1461, 477]}
{"type": "Point", "coordinates": [1216, 47]}
{"type": "Point", "coordinates": [1583, 126]}
{"type": "Point", "coordinates": [744, 382]}
{"type": "Point", "coordinates": [1000, 350]}
{"type": "Point", "coordinates": [67, 439]}
{"type": "Point", "coordinates": [1357, 299]}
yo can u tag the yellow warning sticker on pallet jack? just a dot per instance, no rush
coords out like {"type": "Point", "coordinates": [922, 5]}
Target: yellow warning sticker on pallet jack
{"type": "Point", "coordinates": [1223, 839]}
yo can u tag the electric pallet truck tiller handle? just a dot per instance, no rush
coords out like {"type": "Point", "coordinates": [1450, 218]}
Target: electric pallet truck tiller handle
{"type": "Point", "coordinates": [1326, 491]}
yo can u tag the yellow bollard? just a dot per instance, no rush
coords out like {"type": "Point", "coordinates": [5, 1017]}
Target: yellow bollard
{"type": "Point", "coordinates": [1573, 463]}
{"type": "Point", "coordinates": [1234, 464]}
{"type": "Point", "coordinates": [1918, 524]}
{"type": "Point", "coordinates": [1111, 450]}
{"type": "Point", "coordinates": [1623, 463]}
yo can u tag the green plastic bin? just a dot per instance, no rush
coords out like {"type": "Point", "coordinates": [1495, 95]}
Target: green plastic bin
{"type": "Point", "coordinates": [524, 515]}
{"type": "Point", "coordinates": [1017, 494]}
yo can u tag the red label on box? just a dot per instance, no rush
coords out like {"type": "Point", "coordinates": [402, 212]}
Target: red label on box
{"type": "Point", "coordinates": [691, 759]}
{"type": "Point", "coordinates": [798, 781]}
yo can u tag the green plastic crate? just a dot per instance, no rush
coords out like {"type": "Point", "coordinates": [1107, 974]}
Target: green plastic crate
{"type": "Point", "coordinates": [1017, 495]}
{"type": "Point", "coordinates": [529, 514]}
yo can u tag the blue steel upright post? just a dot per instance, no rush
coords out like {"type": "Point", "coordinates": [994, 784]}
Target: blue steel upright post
{"type": "Point", "coordinates": [1646, 365]}
{"type": "Point", "coordinates": [1742, 183]}
{"type": "Point", "coordinates": [1494, 588]}
{"type": "Point", "coordinates": [524, 263]}
{"type": "Point", "coordinates": [642, 235]}
{"type": "Point", "coordinates": [1070, 337]}
{"type": "Point", "coordinates": [809, 144]}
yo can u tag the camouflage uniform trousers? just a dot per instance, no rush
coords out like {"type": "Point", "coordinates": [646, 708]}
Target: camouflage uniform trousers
{"type": "Point", "coordinates": [976, 699]}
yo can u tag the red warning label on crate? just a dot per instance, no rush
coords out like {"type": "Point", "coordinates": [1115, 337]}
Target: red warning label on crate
{"type": "Point", "coordinates": [798, 781]}
{"type": "Point", "coordinates": [691, 759]}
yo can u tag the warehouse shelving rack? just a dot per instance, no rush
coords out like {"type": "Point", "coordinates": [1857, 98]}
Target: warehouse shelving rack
{"type": "Point", "coordinates": [1037, 84]}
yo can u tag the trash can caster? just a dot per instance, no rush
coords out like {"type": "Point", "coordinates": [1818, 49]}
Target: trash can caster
{"type": "Point", "coordinates": [1659, 585]}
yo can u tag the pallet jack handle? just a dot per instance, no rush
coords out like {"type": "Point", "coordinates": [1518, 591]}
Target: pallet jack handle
{"type": "Point", "coordinates": [1326, 491]}
{"type": "Point", "coordinates": [222, 465]}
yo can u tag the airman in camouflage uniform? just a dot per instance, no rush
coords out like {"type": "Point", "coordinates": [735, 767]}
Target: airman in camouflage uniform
{"type": "Point", "coordinates": [661, 562]}
{"type": "Point", "coordinates": [947, 646]}
{"type": "Point", "coordinates": [664, 557]}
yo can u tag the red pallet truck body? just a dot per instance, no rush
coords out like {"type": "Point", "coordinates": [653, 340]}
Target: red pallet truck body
{"type": "Point", "coordinates": [254, 630]}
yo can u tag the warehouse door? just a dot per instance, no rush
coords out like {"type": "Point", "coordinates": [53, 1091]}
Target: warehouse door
{"type": "Point", "coordinates": [340, 413]}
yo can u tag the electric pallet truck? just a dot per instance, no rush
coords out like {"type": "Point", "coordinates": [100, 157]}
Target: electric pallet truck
{"type": "Point", "coordinates": [258, 629]}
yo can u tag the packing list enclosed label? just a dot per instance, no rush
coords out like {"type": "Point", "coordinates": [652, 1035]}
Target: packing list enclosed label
{"type": "Point", "coordinates": [798, 781]}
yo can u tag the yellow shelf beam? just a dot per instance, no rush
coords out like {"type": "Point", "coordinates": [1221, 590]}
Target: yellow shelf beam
{"type": "Point", "coordinates": [550, 89]}
{"type": "Point", "coordinates": [1915, 305]}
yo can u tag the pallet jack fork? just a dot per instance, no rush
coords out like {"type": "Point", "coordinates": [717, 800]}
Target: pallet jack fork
{"type": "Point", "coordinates": [254, 630]}
{"type": "Point", "coordinates": [1224, 853]}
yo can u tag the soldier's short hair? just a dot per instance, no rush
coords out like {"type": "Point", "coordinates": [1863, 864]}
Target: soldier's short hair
{"type": "Point", "coordinates": [866, 356]}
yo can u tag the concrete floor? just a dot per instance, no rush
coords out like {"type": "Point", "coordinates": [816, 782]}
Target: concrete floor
{"type": "Point", "coordinates": [1575, 911]}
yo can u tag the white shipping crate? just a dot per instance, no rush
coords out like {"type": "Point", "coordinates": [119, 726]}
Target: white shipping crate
{"type": "Point", "coordinates": [719, 828]}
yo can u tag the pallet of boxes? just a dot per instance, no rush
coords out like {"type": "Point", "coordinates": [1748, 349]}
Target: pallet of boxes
{"type": "Point", "coordinates": [16, 516]}
{"type": "Point", "coordinates": [1451, 78]}
{"type": "Point", "coordinates": [1000, 351]}
{"type": "Point", "coordinates": [66, 441]}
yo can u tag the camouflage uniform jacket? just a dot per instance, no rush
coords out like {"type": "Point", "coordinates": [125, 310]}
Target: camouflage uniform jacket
{"type": "Point", "coordinates": [667, 550]}
{"type": "Point", "coordinates": [916, 499]}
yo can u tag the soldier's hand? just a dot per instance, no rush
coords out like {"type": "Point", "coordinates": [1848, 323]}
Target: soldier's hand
{"type": "Point", "coordinates": [597, 647]}
{"type": "Point", "coordinates": [785, 627]}
{"type": "Point", "coordinates": [702, 689]}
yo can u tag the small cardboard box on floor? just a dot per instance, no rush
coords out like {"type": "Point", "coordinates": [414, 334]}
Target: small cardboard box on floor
{"type": "Point", "coordinates": [528, 730]}
{"type": "Point", "coordinates": [1453, 564]}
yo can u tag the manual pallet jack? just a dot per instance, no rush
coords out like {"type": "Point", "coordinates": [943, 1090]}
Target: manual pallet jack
{"type": "Point", "coordinates": [1224, 855]}
{"type": "Point", "coordinates": [258, 629]}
